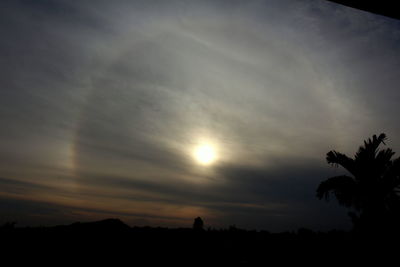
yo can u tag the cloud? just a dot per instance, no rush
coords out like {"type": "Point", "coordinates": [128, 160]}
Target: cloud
{"type": "Point", "coordinates": [114, 97]}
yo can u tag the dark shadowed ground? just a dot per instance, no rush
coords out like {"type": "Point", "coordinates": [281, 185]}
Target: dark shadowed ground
{"type": "Point", "coordinates": [111, 241]}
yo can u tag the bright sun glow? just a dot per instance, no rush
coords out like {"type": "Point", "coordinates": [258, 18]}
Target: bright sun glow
{"type": "Point", "coordinates": [205, 154]}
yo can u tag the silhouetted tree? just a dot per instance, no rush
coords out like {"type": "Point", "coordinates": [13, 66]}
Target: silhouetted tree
{"type": "Point", "coordinates": [198, 224]}
{"type": "Point", "coordinates": [372, 188]}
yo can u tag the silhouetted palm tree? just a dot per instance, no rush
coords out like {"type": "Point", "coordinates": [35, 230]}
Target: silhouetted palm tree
{"type": "Point", "coordinates": [372, 188]}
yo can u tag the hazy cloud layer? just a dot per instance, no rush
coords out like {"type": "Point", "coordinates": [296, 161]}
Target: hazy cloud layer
{"type": "Point", "coordinates": [101, 105]}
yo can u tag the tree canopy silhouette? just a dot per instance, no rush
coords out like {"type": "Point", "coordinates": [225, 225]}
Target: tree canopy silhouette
{"type": "Point", "coordinates": [198, 224]}
{"type": "Point", "coordinates": [371, 188]}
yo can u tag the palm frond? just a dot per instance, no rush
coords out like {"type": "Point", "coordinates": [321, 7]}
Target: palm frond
{"type": "Point", "coordinates": [343, 188]}
{"type": "Point", "coordinates": [370, 148]}
{"type": "Point", "coordinates": [392, 176]}
{"type": "Point", "coordinates": [335, 158]}
{"type": "Point", "coordinates": [385, 156]}
{"type": "Point", "coordinates": [383, 162]}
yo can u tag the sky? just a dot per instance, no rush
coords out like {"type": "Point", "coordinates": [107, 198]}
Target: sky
{"type": "Point", "coordinates": [105, 105]}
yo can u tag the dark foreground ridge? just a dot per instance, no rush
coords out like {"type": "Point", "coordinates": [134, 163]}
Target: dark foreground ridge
{"type": "Point", "coordinates": [113, 241]}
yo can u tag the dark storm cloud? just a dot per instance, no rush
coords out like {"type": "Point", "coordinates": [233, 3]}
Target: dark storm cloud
{"type": "Point", "coordinates": [102, 105]}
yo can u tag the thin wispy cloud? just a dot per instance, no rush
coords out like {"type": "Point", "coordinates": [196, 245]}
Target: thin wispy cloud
{"type": "Point", "coordinates": [102, 106]}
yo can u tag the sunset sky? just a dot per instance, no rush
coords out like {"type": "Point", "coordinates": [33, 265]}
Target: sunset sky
{"type": "Point", "coordinates": [156, 112]}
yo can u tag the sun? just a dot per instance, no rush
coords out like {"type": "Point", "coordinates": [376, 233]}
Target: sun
{"type": "Point", "coordinates": [205, 154]}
